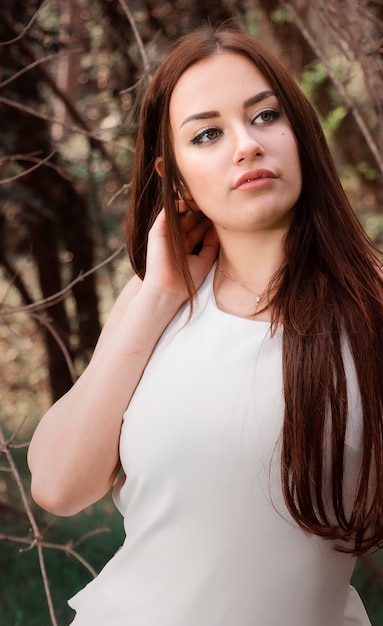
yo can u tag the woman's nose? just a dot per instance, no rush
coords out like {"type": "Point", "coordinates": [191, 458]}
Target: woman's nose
{"type": "Point", "coordinates": [246, 146]}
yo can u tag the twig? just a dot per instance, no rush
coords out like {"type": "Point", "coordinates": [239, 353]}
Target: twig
{"type": "Point", "coordinates": [10, 441]}
{"type": "Point", "coordinates": [57, 297]}
{"type": "Point", "coordinates": [350, 34]}
{"type": "Point", "coordinates": [5, 449]}
{"type": "Point", "coordinates": [69, 105]}
{"type": "Point", "coordinates": [118, 193]}
{"type": "Point", "coordinates": [25, 29]}
{"type": "Point", "coordinates": [5, 181]}
{"type": "Point", "coordinates": [32, 157]}
{"type": "Point", "coordinates": [35, 64]}
{"type": "Point", "coordinates": [26, 156]}
{"type": "Point", "coordinates": [90, 533]}
{"type": "Point", "coordinates": [65, 99]}
{"type": "Point", "coordinates": [75, 129]}
{"type": "Point", "coordinates": [137, 36]}
{"type": "Point", "coordinates": [68, 547]}
{"type": "Point", "coordinates": [19, 446]}
{"type": "Point", "coordinates": [14, 279]}
{"type": "Point", "coordinates": [45, 321]}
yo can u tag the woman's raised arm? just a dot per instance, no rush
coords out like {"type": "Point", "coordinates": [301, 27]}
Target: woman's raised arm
{"type": "Point", "coordinates": [73, 455]}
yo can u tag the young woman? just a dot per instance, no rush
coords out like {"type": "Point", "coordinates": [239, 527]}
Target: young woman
{"type": "Point", "coordinates": [238, 379]}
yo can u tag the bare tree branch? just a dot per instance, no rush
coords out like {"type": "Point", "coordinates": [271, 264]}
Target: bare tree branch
{"type": "Point", "coordinates": [68, 547]}
{"type": "Point", "coordinates": [25, 29]}
{"type": "Point", "coordinates": [337, 83]}
{"type": "Point", "coordinates": [60, 295]}
{"type": "Point", "coordinates": [46, 322]}
{"type": "Point", "coordinates": [33, 158]}
{"type": "Point", "coordinates": [39, 163]}
{"type": "Point", "coordinates": [10, 441]}
{"type": "Point", "coordinates": [118, 193]}
{"type": "Point", "coordinates": [4, 448]}
{"type": "Point", "coordinates": [89, 134]}
{"type": "Point", "coordinates": [137, 36]}
{"type": "Point", "coordinates": [70, 107]}
{"type": "Point", "coordinates": [36, 63]}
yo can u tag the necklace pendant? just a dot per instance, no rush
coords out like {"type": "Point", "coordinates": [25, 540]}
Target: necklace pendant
{"type": "Point", "coordinates": [258, 297]}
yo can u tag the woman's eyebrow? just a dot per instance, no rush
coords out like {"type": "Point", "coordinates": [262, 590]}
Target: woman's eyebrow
{"type": "Point", "coordinates": [207, 115]}
{"type": "Point", "coordinates": [262, 95]}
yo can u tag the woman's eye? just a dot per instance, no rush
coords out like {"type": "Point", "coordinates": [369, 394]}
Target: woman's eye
{"type": "Point", "coordinates": [206, 136]}
{"type": "Point", "coordinates": [266, 117]}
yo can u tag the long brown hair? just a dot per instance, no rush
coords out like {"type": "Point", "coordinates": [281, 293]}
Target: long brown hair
{"type": "Point", "coordinates": [329, 290]}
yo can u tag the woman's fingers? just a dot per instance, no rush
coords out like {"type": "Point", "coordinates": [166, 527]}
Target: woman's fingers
{"type": "Point", "coordinates": [201, 247]}
{"type": "Point", "coordinates": [201, 263]}
{"type": "Point", "coordinates": [200, 240]}
{"type": "Point", "coordinates": [194, 225]}
{"type": "Point", "coordinates": [195, 232]}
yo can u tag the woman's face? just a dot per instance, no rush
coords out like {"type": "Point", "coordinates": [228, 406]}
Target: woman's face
{"type": "Point", "coordinates": [234, 146]}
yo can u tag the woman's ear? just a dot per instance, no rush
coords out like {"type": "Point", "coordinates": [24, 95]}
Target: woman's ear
{"type": "Point", "coordinates": [158, 166]}
{"type": "Point", "coordinates": [158, 163]}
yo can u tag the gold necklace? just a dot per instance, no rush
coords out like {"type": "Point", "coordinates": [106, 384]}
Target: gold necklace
{"type": "Point", "coordinates": [258, 297]}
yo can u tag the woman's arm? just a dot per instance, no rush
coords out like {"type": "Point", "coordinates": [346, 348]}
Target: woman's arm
{"type": "Point", "coordinates": [73, 455]}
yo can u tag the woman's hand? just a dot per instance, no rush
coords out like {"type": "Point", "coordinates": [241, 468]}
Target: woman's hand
{"type": "Point", "coordinates": [161, 269]}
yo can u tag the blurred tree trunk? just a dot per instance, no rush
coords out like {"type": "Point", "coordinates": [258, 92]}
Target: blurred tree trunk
{"type": "Point", "coordinates": [50, 209]}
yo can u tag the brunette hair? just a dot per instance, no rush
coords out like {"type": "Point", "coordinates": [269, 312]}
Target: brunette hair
{"type": "Point", "coordinates": [329, 290]}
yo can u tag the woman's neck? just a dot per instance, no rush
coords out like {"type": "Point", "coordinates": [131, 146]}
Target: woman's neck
{"type": "Point", "coordinates": [252, 260]}
{"type": "Point", "coordinates": [245, 268]}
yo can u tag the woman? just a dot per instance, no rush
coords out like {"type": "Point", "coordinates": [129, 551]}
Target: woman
{"type": "Point", "coordinates": [238, 377]}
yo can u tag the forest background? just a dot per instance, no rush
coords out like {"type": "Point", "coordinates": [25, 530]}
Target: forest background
{"type": "Point", "coordinates": [72, 76]}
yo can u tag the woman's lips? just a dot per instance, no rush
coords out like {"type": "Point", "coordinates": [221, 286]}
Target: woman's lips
{"type": "Point", "coordinates": [254, 179]}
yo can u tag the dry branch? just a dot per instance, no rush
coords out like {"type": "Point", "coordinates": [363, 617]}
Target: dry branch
{"type": "Point", "coordinates": [25, 29]}
{"type": "Point", "coordinates": [34, 64]}
{"type": "Point", "coordinates": [313, 43]}
{"type": "Point", "coordinates": [60, 295]}
{"type": "Point", "coordinates": [68, 547]}
{"type": "Point", "coordinates": [38, 310]}
{"type": "Point", "coordinates": [44, 321]}
{"type": "Point", "coordinates": [32, 157]}
{"type": "Point", "coordinates": [39, 163]}
{"type": "Point", "coordinates": [70, 107]}
{"type": "Point", "coordinates": [37, 539]}
{"type": "Point", "coordinates": [137, 36]}
{"type": "Point", "coordinates": [89, 134]}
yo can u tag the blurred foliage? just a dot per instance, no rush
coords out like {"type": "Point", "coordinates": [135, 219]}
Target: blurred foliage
{"type": "Point", "coordinates": [82, 71]}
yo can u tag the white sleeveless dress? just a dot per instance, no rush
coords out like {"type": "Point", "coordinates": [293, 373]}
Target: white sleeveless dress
{"type": "Point", "coordinates": [209, 541]}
